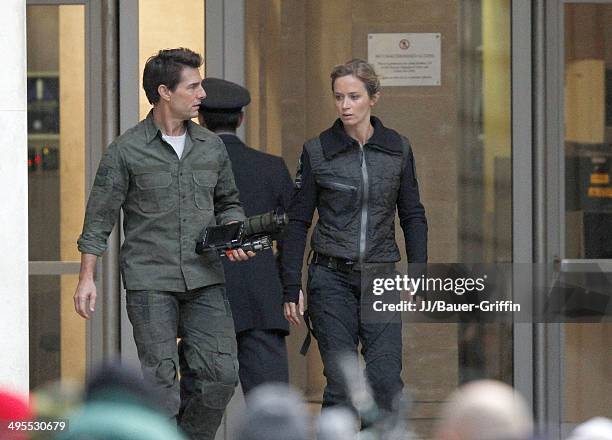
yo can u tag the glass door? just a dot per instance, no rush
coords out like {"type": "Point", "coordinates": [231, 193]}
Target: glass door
{"type": "Point", "coordinates": [573, 378]}
{"type": "Point", "coordinates": [56, 180]}
{"type": "Point", "coordinates": [586, 238]}
{"type": "Point", "coordinates": [461, 133]}
{"type": "Point", "coordinates": [65, 137]}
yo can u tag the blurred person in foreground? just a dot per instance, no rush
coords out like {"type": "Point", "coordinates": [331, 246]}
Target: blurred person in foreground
{"type": "Point", "coordinates": [14, 407]}
{"type": "Point", "coordinates": [274, 411]}
{"type": "Point", "coordinates": [485, 410]}
{"type": "Point", "coordinates": [253, 287]}
{"type": "Point", "coordinates": [171, 178]}
{"type": "Point", "coordinates": [597, 428]}
{"type": "Point", "coordinates": [119, 405]}
{"type": "Point", "coordinates": [337, 423]}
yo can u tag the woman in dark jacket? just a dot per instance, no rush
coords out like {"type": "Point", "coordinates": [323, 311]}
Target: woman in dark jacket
{"type": "Point", "coordinates": [356, 174]}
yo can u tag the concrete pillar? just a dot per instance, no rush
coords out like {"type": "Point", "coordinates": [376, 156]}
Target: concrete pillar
{"type": "Point", "coordinates": [14, 368]}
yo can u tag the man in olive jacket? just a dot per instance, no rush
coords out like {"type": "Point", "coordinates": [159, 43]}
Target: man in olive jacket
{"type": "Point", "coordinates": [171, 177]}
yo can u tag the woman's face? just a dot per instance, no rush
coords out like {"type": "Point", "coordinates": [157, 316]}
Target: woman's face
{"type": "Point", "coordinates": [353, 103]}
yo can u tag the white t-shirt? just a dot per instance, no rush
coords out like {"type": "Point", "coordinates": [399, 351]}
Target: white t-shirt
{"type": "Point", "coordinates": [177, 142]}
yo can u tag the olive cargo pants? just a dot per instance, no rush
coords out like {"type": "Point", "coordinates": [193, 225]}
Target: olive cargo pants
{"type": "Point", "coordinates": [205, 355]}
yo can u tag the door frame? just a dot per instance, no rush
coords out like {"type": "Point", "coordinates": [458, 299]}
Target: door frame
{"type": "Point", "coordinates": [522, 185]}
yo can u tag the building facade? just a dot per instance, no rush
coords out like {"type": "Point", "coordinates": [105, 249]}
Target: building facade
{"type": "Point", "coordinates": [504, 132]}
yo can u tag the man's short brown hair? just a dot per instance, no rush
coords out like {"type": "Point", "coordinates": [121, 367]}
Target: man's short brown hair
{"type": "Point", "coordinates": [165, 68]}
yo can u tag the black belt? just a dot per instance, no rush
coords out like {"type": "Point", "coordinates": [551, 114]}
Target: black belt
{"type": "Point", "coordinates": [335, 263]}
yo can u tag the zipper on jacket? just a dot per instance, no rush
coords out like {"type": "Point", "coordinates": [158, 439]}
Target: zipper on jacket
{"type": "Point", "coordinates": [364, 206]}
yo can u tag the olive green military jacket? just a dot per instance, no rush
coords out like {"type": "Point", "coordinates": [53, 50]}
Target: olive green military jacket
{"type": "Point", "coordinates": [166, 202]}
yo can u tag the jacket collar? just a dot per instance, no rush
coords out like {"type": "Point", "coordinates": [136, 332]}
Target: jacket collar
{"type": "Point", "coordinates": [229, 137]}
{"type": "Point", "coordinates": [152, 130]}
{"type": "Point", "coordinates": [334, 140]}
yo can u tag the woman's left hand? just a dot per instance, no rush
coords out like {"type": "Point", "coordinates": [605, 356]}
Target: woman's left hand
{"type": "Point", "coordinates": [291, 310]}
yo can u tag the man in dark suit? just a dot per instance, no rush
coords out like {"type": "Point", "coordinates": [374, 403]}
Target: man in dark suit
{"type": "Point", "coordinates": [253, 288]}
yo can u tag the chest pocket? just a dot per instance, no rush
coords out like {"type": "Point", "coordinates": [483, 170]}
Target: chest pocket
{"type": "Point", "coordinates": [337, 197]}
{"type": "Point", "coordinates": [204, 188]}
{"type": "Point", "coordinates": [154, 191]}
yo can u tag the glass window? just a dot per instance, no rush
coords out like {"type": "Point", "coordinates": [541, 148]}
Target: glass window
{"type": "Point", "coordinates": [57, 333]}
{"type": "Point", "coordinates": [587, 367]}
{"type": "Point", "coordinates": [56, 180]}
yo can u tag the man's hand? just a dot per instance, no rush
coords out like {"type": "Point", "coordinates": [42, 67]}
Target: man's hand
{"type": "Point", "coordinates": [291, 310]}
{"type": "Point", "coordinates": [85, 298]}
{"type": "Point", "coordinates": [85, 295]}
{"type": "Point", "coordinates": [239, 255]}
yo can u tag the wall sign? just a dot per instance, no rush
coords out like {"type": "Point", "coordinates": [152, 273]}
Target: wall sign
{"type": "Point", "coordinates": [406, 59]}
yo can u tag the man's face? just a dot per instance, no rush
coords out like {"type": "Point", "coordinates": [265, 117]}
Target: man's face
{"type": "Point", "coordinates": [186, 97]}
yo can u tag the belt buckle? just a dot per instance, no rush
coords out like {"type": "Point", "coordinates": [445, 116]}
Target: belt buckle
{"type": "Point", "coordinates": [349, 265]}
{"type": "Point", "coordinates": [345, 266]}
{"type": "Point", "coordinates": [332, 263]}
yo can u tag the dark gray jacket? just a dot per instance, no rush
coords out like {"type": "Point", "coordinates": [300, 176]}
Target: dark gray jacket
{"type": "Point", "coordinates": [356, 192]}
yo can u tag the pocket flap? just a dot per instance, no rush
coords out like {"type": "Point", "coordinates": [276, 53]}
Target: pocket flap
{"type": "Point", "coordinates": [153, 180]}
{"type": "Point", "coordinates": [339, 186]}
{"type": "Point", "coordinates": [227, 345]}
{"type": "Point", "coordinates": [205, 178]}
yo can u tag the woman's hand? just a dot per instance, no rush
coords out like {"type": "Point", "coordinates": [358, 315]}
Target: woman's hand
{"type": "Point", "coordinates": [291, 310]}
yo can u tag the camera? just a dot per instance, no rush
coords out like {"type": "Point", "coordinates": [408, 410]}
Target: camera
{"type": "Point", "coordinates": [253, 234]}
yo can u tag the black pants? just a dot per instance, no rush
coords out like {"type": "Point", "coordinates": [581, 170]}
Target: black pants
{"type": "Point", "coordinates": [262, 356]}
{"type": "Point", "coordinates": [334, 305]}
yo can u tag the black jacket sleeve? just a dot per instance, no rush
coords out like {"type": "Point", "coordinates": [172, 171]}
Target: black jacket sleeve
{"type": "Point", "coordinates": [301, 209]}
{"type": "Point", "coordinates": [283, 186]}
{"type": "Point", "coordinates": [412, 213]}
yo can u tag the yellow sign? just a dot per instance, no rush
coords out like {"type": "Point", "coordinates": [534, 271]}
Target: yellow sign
{"type": "Point", "coordinates": [600, 178]}
{"type": "Point", "coordinates": [600, 193]}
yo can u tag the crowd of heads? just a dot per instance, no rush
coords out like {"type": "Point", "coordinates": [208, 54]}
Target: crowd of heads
{"type": "Point", "coordinates": [117, 404]}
